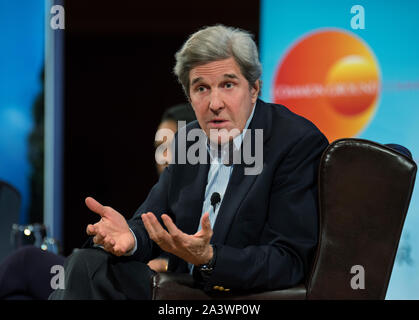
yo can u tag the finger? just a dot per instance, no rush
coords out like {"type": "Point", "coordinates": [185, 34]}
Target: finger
{"type": "Point", "coordinates": [206, 224]}
{"type": "Point", "coordinates": [171, 227]}
{"type": "Point", "coordinates": [117, 250]}
{"type": "Point", "coordinates": [148, 225]}
{"type": "Point", "coordinates": [108, 244]}
{"type": "Point", "coordinates": [206, 229]}
{"type": "Point", "coordinates": [90, 230]}
{"type": "Point", "coordinates": [152, 227]}
{"type": "Point", "coordinates": [157, 227]}
{"type": "Point", "coordinates": [108, 241]}
{"type": "Point", "coordinates": [156, 231]}
{"type": "Point", "coordinates": [98, 239]}
{"type": "Point", "coordinates": [95, 206]}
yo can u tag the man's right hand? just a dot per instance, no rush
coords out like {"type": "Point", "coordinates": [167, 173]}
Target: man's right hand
{"type": "Point", "coordinates": [112, 230]}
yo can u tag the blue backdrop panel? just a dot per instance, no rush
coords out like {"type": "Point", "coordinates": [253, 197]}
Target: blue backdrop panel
{"type": "Point", "coordinates": [21, 65]}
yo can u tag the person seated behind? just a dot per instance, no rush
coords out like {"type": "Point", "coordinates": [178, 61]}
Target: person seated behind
{"type": "Point", "coordinates": [26, 274]}
{"type": "Point", "coordinates": [173, 117]}
{"type": "Point", "coordinates": [236, 225]}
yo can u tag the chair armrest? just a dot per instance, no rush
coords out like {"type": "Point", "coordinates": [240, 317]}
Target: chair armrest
{"type": "Point", "coordinates": [180, 286]}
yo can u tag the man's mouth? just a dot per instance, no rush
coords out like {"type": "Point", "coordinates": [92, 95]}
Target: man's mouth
{"type": "Point", "coordinates": [218, 123]}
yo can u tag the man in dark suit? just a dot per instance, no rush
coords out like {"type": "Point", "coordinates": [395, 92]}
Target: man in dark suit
{"type": "Point", "coordinates": [235, 225]}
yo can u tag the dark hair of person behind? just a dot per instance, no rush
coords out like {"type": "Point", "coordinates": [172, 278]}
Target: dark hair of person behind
{"type": "Point", "coordinates": [179, 112]}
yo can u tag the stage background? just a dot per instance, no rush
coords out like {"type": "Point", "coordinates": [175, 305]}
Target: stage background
{"type": "Point", "coordinates": [118, 81]}
{"type": "Point", "coordinates": [21, 102]}
{"type": "Point", "coordinates": [353, 76]}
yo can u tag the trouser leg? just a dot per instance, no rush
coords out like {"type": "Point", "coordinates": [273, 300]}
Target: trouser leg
{"type": "Point", "coordinates": [95, 274]}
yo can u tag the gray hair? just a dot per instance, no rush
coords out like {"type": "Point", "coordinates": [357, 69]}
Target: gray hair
{"type": "Point", "coordinates": [218, 43]}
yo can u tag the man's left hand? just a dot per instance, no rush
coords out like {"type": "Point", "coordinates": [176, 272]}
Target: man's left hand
{"type": "Point", "coordinates": [195, 249]}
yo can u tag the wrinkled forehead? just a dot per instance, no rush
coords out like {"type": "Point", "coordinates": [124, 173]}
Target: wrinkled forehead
{"type": "Point", "coordinates": [226, 68]}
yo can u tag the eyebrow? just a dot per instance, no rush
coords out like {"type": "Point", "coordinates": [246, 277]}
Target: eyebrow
{"type": "Point", "coordinates": [227, 75]}
{"type": "Point", "coordinates": [231, 76]}
{"type": "Point", "coordinates": [196, 80]}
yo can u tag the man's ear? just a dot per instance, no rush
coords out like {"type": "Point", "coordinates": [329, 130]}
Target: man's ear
{"type": "Point", "coordinates": [255, 90]}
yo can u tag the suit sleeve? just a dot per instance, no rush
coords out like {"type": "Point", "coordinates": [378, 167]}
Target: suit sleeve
{"type": "Point", "coordinates": [290, 234]}
{"type": "Point", "coordinates": [156, 202]}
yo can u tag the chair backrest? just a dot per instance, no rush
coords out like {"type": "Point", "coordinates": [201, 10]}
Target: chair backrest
{"type": "Point", "coordinates": [10, 201]}
{"type": "Point", "coordinates": [364, 194]}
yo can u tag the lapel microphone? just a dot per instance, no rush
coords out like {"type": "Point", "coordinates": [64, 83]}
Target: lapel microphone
{"type": "Point", "coordinates": [215, 198]}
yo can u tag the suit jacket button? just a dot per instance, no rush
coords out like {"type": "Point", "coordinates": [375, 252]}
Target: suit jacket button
{"type": "Point", "coordinates": [221, 288]}
{"type": "Point", "coordinates": [216, 287]}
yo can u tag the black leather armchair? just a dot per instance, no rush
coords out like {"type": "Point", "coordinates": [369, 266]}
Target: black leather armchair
{"type": "Point", "coordinates": [364, 194]}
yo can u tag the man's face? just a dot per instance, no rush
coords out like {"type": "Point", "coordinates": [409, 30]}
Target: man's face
{"type": "Point", "coordinates": [221, 97]}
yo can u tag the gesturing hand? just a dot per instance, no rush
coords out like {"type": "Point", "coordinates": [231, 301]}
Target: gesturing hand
{"type": "Point", "coordinates": [112, 230]}
{"type": "Point", "coordinates": [195, 249]}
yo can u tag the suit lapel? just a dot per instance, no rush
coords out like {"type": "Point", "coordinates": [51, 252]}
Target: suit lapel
{"type": "Point", "coordinates": [237, 189]}
{"type": "Point", "coordinates": [239, 184]}
{"type": "Point", "coordinates": [191, 185]}
{"type": "Point", "coordinates": [195, 192]}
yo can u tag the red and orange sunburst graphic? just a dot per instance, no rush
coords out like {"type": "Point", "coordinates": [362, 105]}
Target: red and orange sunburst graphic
{"type": "Point", "coordinates": [332, 78]}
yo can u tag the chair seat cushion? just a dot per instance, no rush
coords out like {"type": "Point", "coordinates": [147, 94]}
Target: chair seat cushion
{"type": "Point", "coordinates": [181, 286]}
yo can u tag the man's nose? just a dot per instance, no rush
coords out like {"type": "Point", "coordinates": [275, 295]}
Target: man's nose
{"type": "Point", "coordinates": [216, 102]}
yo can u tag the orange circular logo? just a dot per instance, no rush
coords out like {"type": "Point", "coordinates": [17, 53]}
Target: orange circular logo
{"type": "Point", "coordinates": [332, 78]}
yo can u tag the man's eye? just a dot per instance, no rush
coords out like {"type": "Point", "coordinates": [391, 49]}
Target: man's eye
{"type": "Point", "coordinates": [229, 85]}
{"type": "Point", "coordinates": [200, 89]}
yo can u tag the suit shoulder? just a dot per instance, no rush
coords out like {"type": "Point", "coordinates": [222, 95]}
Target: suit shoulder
{"type": "Point", "coordinates": [287, 123]}
{"type": "Point", "coordinates": [192, 125]}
